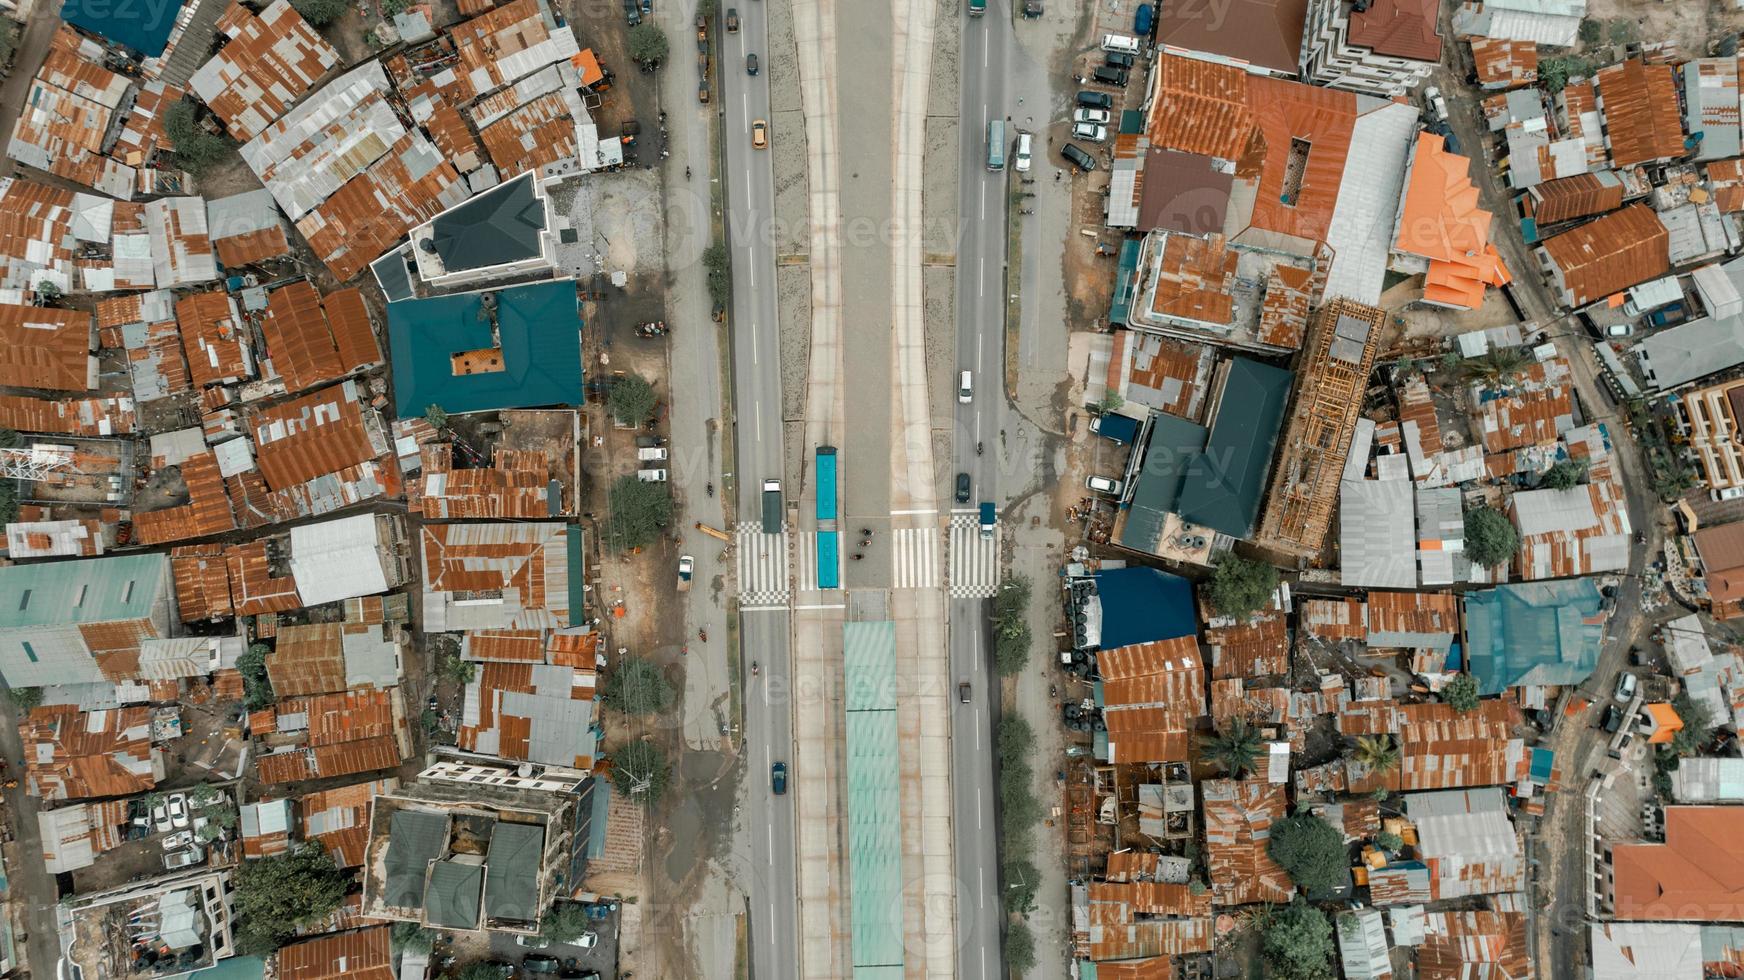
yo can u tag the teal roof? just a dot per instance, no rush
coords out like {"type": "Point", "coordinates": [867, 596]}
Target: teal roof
{"type": "Point", "coordinates": [577, 550]}
{"type": "Point", "coordinates": [539, 329]}
{"type": "Point", "coordinates": [496, 227]}
{"type": "Point", "coordinates": [874, 810]}
{"type": "Point", "coordinates": [1223, 485]}
{"type": "Point", "coordinates": [415, 838]}
{"type": "Point", "coordinates": [1125, 269]}
{"type": "Point", "coordinates": [452, 899]}
{"type": "Point", "coordinates": [512, 883]}
{"type": "Point", "coordinates": [1172, 444]}
{"type": "Point", "coordinates": [89, 590]}
{"type": "Point", "coordinates": [1534, 633]}
{"type": "Point", "coordinates": [234, 968]}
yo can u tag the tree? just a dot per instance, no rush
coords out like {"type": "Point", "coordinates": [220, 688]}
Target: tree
{"type": "Point", "coordinates": [720, 281]}
{"type": "Point", "coordinates": [631, 400]}
{"type": "Point", "coordinates": [8, 40]}
{"type": "Point", "coordinates": [564, 921]}
{"type": "Point", "coordinates": [1590, 31]}
{"type": "Point", "coordinates": [1698, 725]}
{"type": "Point", "coordinates": [1389, 842]}
{"type": "Point", "coordinates": [639, 770]}
{"type": "Point", "coordinates": [8, 501]}
{"type": "Point", "coordinates": [1376, 752]}
{"type": "Point", "coordinates": [275, 895]}
{"type": "Point", "coordinates": [707, 8]}
{"type": "Point", "coordinates": [1240, 586]}
{"type": "Point", "coordinates": [637, 687]}
{"type": "Point", "coordinates": [1297, 942]}
{"type": "Point", "coordinates": [24, 698]}
{"type": "Point", "coordinates": [1020, 952]}
{"type": "Point", "coordinates": [450, 666]}
{"type": "Point", "coordinates": [1021, 881]}
{"type": "Point", "coordinates": [1019, 809]}
{"type": "Point", "coordinates": [197, 150]}
{"type": "Point", "coordinates": [1311, 850]}
{"type": "Point", "coordinates": [410, 937]}
{"type": "Point", "coordinates": [1564, 474]}
{"type": "Point", "coordinates": [319, 12]}
{"type": "Point", "coordinates": [647, 43]}
{"type": "Point", "coordinates": [1499, 366]}
{"type": "Point", "coordinates": [1554, 73]}
{"type": "Point", "coordinates": [1110, 402]}
{"type": "Point", "coordinates": [1235, 748]}
{"type": "Point", "coordinates": [437, 418]}
{"type": "Point", "coordinates": [1490, 538]}
{"type": "Point", "coordinates": [1011, 603]}
{"type": "Point", "coordinates": [48, 292]}
{"type": "Point", "coordinates": [638, 511]}
{"type": "Point", "coordinates": [1011, 649]}
{"type": "Point", "coordinates": [257, 691]}
{"type": "Point", "coordinates": [1014, 740]}
{"type": "Point", "coordinates": [1461, 693]}
{"type": "Point", "coordinates": [391, 8]}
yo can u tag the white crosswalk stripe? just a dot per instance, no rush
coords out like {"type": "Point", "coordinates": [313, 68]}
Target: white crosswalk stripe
{"type": "Point", "coordinates": [974, 559]}
{"type": "Point", "coordinates": [805, 561]}
{"type": "Point", "coordinates": [762, 560]}
{"type": "Point", "coordinates": [917, 557]}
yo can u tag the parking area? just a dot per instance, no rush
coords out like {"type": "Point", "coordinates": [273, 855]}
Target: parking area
{"type": "Point", "coordinates": [570, 960]}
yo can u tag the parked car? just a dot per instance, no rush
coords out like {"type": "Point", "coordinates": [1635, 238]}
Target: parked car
{"type": "Point", "coordinates": [1089, 132]}
{"type": "Point", "coordinates": [1100, 116]}
{"type": "Point", "coordinates": [1120, 59]}
{"type": "Point", "coordinates": [184, 859]}
{"type": "Point", "coordinates": [1619, 330]}
{"type": "Point", "coordinates": [963, 692]}
{"type": "Point", "coordinates": [532, 942]}
{"type": "Point", "coordinates": [160, 817]}
{"type": "Point", "coordinates": [1110, 76]}
{"type": "Point", "coordinates": [1102, 484]}
{"type": "Point", "coordinates": [1095, 100]}
{"type": "Point", "coordinates": [588, 940]}
{"type": "Point", "coordinates": [962, 488]}
{"type": "Point", "coordinates": [632, 12]}
{"type": "Point", "coordinates": [778, 778]}
{"type": "Point", "coordinates": [750, 64]}
{"type": "Point", "coordinates": [1626, 685]}
{"type": "Point", "coordinates": [760, 134]}
{"type": "Point", "coordinates": [1727, 493]}
{"type": "Point", "coordinates": [540, 963]}
{"type": "Point", "coordinates": [1436, 104]}
{"type": "Point", "coordinates": [1613, 718]}
{"type": "Point", "coordinates": [1077, 157]}
{"type": "Point", "coordinates": [179, 810]}
{"type": "Point", "coordinates": [178, 840]}
{"type": "Point", "coordinates": [732, 20]}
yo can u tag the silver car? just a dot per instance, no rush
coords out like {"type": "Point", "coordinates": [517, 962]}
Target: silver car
{"type": "Point", "coordinates": [1090, 132]}
{"type": "Point", "coordinates": [1091, 116]}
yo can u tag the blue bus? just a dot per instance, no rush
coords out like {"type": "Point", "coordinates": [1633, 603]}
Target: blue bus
{"type": "Point", "coordinates": [828, 537]}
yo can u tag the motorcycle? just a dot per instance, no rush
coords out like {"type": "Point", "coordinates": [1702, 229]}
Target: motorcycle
{"type": "Point", "coordinates": [710, 488]}
{"type": "Point", "coordinates": [753, 668]}
{"type": "Point", "coordinates": [978, 449]}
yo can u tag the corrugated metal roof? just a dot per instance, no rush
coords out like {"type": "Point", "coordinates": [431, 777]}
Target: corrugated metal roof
{"type": "Point", "coordinates": [1238, 821]}
{"type": "Point", "coordinates": [1642, 120]}
{"type": "Point", "coordinates": [874, 827]}
{"type": "Point", "coordinates": [43, 347]}
{"type": "Point", "coordinates": [338, 559]}
{"type": "Point", "coordinates": [1377, 534]}
{"type": "Point", "coordinates": [270, 61]}
{"type": "Point", "coordinates": [1611, 254]}
{"type": "Point", "coordinates": [366, 954]}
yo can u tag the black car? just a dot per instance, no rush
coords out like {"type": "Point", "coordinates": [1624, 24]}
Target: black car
{"type": "Point", "coordinates": [1095, 100]}
{"type": "Point", "coordinates": [1613, 718]}
{"type": "Point", "coordinates": [632, 12]}
{"type": "Point", "coordinates": [1110, 76]}
{"type": "Point", "coordinates": [1119, 59]}
{"type": "Point", "coordinates": [962, 488]}
{"type": "Point", "coordinates": [540, 963]}
{"type": "Point", "coordinates": [1077, 158]}
{"type": "Point", "coordinates": [750, 64]}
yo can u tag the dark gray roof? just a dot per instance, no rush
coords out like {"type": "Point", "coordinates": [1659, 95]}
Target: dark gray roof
{"type": "Point", "coordinates": [500, 226]}
{"type": "Point", "coordinates": [1223, 485]}
{"type": "Point", "coordinates": [1171, 444]}
{"type": "Point", "coordinates": [415, 838]}
{"type": "Point", "coordinates": [512, 881]}
{"type": "Point", "coordinates": [453, 897]}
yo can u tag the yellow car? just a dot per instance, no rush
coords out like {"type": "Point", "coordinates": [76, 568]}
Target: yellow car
{"type": "Point", "coordinates": [760, 134]}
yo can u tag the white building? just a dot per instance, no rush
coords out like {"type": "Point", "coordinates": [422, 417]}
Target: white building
{"type": "Point", "coordinates": [1382, 47]}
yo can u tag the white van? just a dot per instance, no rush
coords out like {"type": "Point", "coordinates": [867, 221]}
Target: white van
{"type": "Point", "coordinates": [649, 454]}
{"type": "Point", "coordinates": [965, 388]}
{"type": "Point", "coordinates": [1022, 161]}
{"type": "Point", "coordinates": [1122, 43]}
{"type": "Point", "coordinates": [651, 476]}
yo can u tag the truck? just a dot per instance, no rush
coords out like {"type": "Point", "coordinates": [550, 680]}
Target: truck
{"type": "Point", "coordinates": [686, 568]}
{"type": "Point", "coordinates": [771, 506]}
{"type": "Point", "coordinates": [651, 454]}
{"type": "Point", "coordinates": [977, 7]}
{"type": "Point", "coordinates": [988, 518]}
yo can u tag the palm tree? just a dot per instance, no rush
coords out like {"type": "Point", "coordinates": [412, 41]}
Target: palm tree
{"type": "Point", "coordinates": [1235, 748]}
{"type": "Point", "coordinates": [1498, 366]}
{"type": "Point", "coordinates": [1377, 752]}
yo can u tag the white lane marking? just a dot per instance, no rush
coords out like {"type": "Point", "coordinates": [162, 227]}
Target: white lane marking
{"type": "Point", "coordinates": [965, 510]}
{"type": "Point", "coordinates": [977, 430]}
{"type": "Point", "coordinates": [746, 609]}
{"type": "Point", "coordinates": [977, 808]}
{"type": "Point", "coordinates": [983, 200]}
{"type": "Point", "coordinates": [980, 344]}
{"type": "Point", "coordinates": [981, 277]}
{"type": "Point", "coordinates": [772, 935]}
{"type": "Point", "coordinates": [926, 510]}
{"type": "Point", "coordinates": [977, 723]}
{"type": "Point", "coordinates": [839, 605]}
{"type": "Point", "coordinates": [771, 841]}
{"type": "Point", "coordinates": [986, 52]}
{"type": "Point", "coordinates": [745, 99]}
{"type": "Point", "coordinates": [983, 959]}
{"type": "Point", "coordinates": [759, 419]}
{"type": "Point", "coordinates": [753, 336]}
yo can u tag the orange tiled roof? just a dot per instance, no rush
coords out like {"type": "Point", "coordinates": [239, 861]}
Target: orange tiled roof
{"type": "Point", "coordinates": [1442, 222]}
{"type": "Point", "coordinates": [1696, 874]}
{"type": "Point", "coordinates": [1398, 29]}
{"type": "Point", "coordinates": [1642, 117]}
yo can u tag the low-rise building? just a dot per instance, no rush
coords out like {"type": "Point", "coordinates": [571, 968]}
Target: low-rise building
{"type": "Point", "coordinates": [1544, 634]}
{"type": "Point", "coordinates": [1238, 820]}
{"type": "Point", "coordinates": [1607, 256]}
{"type": "Point", "coordinates": [1552, 23]}
{"type": "Point", "coordinates": [1151, 696]}
{"type": "Point", "coordinates": [80, 621]}
{"type": "Point", "coordinates": [184, 919]}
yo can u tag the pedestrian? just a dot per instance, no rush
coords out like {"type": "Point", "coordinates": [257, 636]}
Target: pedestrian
{"type": "Point", "coordinates": [1020, 100]}
{"type": "Point", "coordinates": [1056, 176]}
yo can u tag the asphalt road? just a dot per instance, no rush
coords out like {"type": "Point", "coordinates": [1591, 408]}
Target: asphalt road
{"type": "Point", "coordinates": [764, 632]}
{"type": "Point", "coordinates": [986, 90]}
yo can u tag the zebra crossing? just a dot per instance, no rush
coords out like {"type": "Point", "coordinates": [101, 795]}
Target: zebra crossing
{"type": "Point", "coordinates": [916, 564]}
{"type": "Point", "coordinates": [762, 565]}
{"type": "Point", "coordinates": [974, 570]}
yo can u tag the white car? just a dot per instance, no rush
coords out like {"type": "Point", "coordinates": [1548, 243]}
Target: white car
{"type": "Point", "coordinates": [182, 859]}
{"type": "Point", "coordinates": [160, 817]}
{"type": "Point", "coordinates": [179, 811]}
{"type": "Point", "coordinates": [1091, 116]}
{"type": "Point", "coordinates": [532, 942]}
{"type": "Point", "coordinates": [1438, 105]}
{"type": "Point", "coordinates": [588, 940]}
{"type": "Point", "coordinates": [178, 840]}
{"type": "Point", "coordinates": [1102, 484]}
{"type": "Point", "coordinates": [1626, 685]}
{"type": "Point", "coordinates": [1090, 132]}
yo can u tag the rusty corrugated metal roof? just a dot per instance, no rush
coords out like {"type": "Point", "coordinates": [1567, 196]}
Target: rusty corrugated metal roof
{"type": "Point", "coordinates": [271, 60]}
{"type": "Point", "coordinates": [366, 954]}
{"type": "Point", "coordinates": [43, 347]}
{"type": "Point", "coordinates": [319, 433]}
{"type": "Point", "coordinates": [1238, 821]}
{"type": "Point", "coordinates": [1642, 118]}
{"type": "Point", "coordinates": [207, 511]}
{"type": "Point", "coordinates": [1617, 251]}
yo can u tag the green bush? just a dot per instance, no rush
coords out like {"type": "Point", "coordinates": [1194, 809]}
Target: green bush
{"type": "Point", "coordinates": [636, 686]}
{"type": "Point", "coordinates": [640, 771]}
{"type": "Point", "coordinates": [1297, 942]}
{"type": "Point", "coordinates": [1490, 538]}
{"type": "Point", "coordinates": [196, 150]}
{"type": "Point", "coordinates": [257, 692]}
{"type": "Point", "coordinates": [647, 43]}
{"type": "Point", "coordinates": [1461, 693]}
{"type": "Point", "coordinates": [1020, 953]}
{"type": "Point", "coordinates": [638, 511]}
{"type": "Point", "coordinates": [632, 400]}
{"type": "Point", "coordinates": [319, 12]}
{"type": "Point", "coordinates": [1311, 850]}
{"type": "Point", "coordinates": [720, 279]}
{"type": "Point", "coordinates": [1240, 586]}
{"type": "Point", "coordinates": [24, 698]}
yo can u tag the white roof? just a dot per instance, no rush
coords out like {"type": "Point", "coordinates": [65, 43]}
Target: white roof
{"type": "Point", "coordinates": [1378, 533]}
{"type": "Point", "coordinates": [1361, 230]}
{"type": "Point", "coordinates": [1545, 511]}
{"type": "Point", "coordinates": [1718, 292]}
{"type": "Point", "coordinates": [1646, 951]}
{"type": "Point", "coordinates": [334, 560]}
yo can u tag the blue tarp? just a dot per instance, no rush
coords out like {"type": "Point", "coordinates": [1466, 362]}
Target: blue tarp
{"type": "Point", "coordinates": [1144, 605]}
{"type": "Point", "coordinates": [1121, 428]}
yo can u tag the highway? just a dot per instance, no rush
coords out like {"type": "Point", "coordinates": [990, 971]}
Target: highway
{"type": "Point", "coordinates": [986, 57]}
{"type": "Point", "coordinates": [763, 631]}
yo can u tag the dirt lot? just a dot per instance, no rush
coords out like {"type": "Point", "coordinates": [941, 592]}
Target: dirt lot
{"type": "Point", "coordinates": [1694, 24]}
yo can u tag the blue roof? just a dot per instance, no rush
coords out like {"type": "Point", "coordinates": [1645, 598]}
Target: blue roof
{"type": "Point", "coordinates": [539, 329]}
{"type": "Point", "coordinates": [1120, 428]}
{"type": "Point", "coordinates": [1144, 605]}
{"type": "Point", "coordinates": [1534, 633]}
{"type": "Point", "coordinates": [1223, 485]}
{"type": "Point", "coordinates": [89, 590]}
{"type": "Point", "coordinates": [144, 27]}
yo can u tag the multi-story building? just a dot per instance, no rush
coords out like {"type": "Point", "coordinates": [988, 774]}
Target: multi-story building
{"type": "Point", "coordinates": [1712, 413]}
{"type": "Point", "coordinates": [1383, 47]}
